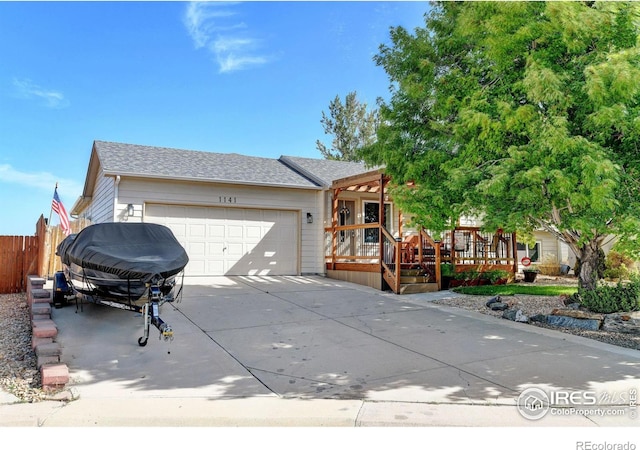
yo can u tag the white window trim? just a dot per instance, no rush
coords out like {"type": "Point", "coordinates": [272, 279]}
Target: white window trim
{"type": "Point", "coordinates": [527, 249]}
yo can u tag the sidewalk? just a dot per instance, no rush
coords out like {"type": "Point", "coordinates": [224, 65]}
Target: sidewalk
{"type": "Point", "coordinates": [277, 412]}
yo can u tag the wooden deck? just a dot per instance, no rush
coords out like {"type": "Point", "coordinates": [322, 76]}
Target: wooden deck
{"type": "Point", "coordinates": [413, 264]}
{"type": "Point", "coordinates": [370, 254]}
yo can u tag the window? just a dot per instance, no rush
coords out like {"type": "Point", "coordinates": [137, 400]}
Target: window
{"type": "Point", "coordinates": [345, 217]}
{"type": "Point", "coordinates": [372, 215]}
{"type": "Point", "coordinates": [532, 252]}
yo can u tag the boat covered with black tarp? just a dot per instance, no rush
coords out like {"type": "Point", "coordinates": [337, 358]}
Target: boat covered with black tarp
{"type": "Point", "coordinates": [121, 260]}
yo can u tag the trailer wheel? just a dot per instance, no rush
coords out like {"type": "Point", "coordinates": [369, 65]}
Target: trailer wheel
{"type": "Point", "coordinates": [142, 342]}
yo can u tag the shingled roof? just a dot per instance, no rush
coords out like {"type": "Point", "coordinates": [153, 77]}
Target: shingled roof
{"type": "Point", "coordinates": [324, 171]}
{"type": "Point", "coordinates": [174, 164]}
{"type": "Point", "coordinates": [169, 163]}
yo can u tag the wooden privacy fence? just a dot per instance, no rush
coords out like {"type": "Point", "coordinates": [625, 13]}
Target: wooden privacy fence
{"type": "Point", "coordinates": [18, 259]}
{"type": "Point", "coordinates": [52, 263]}
{"type": "Point", "coordinates": [54, 236]}
{"type": "Point", "coordinates": [21, 256]}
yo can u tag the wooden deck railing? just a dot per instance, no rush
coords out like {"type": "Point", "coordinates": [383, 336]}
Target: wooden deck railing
{"type": "Point", "coordinates": [391, 256]}
{"type": "Point", "coordinates": [352, 243]}
{"type": "Point", "coordinates": [359, 248]}
{"type": "Point", "coordinates": [469, 247]}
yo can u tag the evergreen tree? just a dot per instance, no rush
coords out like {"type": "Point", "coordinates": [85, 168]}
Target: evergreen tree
{"type": "Point", "coordinates": [352, 127]}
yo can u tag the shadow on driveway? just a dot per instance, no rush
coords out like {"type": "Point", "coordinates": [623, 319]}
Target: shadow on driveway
{"type": "Point", "coordinates": [317, 338]}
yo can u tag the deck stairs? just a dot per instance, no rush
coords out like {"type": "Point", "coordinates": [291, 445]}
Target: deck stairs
{"type": "Point", "coordinates": [415, 281]}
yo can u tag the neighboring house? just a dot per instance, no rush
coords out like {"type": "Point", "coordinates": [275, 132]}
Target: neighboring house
{"type": "Point", "coordinates": [546, 248]}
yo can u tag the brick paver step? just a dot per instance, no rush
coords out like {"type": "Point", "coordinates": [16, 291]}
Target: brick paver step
{"type": "Point", "coordinates": [54, 375]}
{"type": "Point", "coordinates": [45, 331]}
{"type": "Point", "coordinates": [40, 293]}
{"type": "Point", "coordinates": [49, 349]}
{"type": "Point", "coordinates": [40, 308]}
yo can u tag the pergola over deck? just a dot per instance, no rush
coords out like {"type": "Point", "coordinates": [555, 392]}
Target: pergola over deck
{"type": "Point", "coordinates": [404, 260]}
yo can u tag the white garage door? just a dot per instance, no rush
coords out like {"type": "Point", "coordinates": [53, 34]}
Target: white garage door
{"type": "Point", "coordinates": [232, 241]}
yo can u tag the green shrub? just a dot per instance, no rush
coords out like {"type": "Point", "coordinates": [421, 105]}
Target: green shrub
{"type": "Point", "coordinates": [495, 275]}
{"type": "Point", "coordinates": [618, 265]}
{"type": "Point", "coordinates": [447, 270]}
{"type": "Point", "coordinates": [607, 299]}
{"type": "Point", "coordinates": [467, 275]}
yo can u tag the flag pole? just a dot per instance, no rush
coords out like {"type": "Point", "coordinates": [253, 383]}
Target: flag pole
{"type": "Point", "coordinates": [51, 210]}
{"type": "Point", "coordinates": [48, 247]}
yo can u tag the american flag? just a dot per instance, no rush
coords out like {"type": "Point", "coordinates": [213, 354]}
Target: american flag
{"type": "Point", "coordinates": [58, 207]}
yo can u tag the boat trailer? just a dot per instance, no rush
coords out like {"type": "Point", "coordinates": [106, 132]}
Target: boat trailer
{"type": "Point", "coordinates": [63, 291]}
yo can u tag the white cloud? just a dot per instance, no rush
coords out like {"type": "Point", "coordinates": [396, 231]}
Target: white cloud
{"type": "Point", "coordinates": [200, 20]}
{"type": "Point", "coordinates": [213, 25]}
{"type": "Point", "coordinates": [231, 63]}
{"type": "Point", "coordinates": [40, 180]}
{"type": "Point", "coordinates": [52, 99]}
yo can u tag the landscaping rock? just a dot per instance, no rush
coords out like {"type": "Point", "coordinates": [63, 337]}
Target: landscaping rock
{"type": "Point", "coordinates": [499, 306]}
{"type": "Point", "coordinates": [577, 314]}
{"type": "Point", "coordinates": [572, 322]}
{"type": "Point", "coordinates": [541, 318]}
{"type": "Point", "coordinates": [622, 322]}
{"type": "Point", "coordinates": [515, 315]}
{"type": "Point", "coordinates": [493, 300]}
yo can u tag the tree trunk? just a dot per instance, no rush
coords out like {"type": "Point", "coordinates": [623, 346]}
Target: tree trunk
{"type": "Point", "coordinates": [589, 260]}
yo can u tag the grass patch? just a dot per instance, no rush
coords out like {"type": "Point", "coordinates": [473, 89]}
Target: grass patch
{"type": "Point", "coordinates": [513, 289]}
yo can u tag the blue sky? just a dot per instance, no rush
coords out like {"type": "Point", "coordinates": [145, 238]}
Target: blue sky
{"type": "Point", "coordinates": [250, 78]}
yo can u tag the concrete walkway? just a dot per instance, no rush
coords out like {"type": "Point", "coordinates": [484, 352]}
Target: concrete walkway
{"type": "Point", "coordinates": [310, 351]}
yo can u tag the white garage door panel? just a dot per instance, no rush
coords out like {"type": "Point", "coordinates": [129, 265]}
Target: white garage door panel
{"type": "Point", "coordinates": [232, 241]}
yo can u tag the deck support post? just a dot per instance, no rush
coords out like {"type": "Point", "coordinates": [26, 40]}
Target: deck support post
{"type": "Point", "coordinates": [514, 247]}
{"type": "Point", "coordinates": [381, 221]}
{"type": "Point", "coordinates": [436, 248]}
{"type": "Point", "coordinates": [334, 224]}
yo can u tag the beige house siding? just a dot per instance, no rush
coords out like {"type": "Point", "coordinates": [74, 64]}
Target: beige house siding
{"type": "Point", "coordinates": [549, 246]}
{"type": "Point", "coordinates": [311, 242]}
{"type": "Point", "coordinates": [102, 202]}
{"type": "Point", "coordinates": [138, 192]}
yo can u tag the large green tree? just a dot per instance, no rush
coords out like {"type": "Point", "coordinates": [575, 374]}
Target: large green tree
{"type": "Point", "coordinates": [526, 114]}
{"type": "Point", "coordinates": [352, 126]}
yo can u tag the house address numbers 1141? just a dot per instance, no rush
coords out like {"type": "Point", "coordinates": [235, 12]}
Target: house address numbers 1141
{"type": "Point", "coordinates": [225, 199]}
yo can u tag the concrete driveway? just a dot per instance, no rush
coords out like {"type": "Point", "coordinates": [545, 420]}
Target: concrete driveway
{"type": "Point", "coordinates": [313, 338]}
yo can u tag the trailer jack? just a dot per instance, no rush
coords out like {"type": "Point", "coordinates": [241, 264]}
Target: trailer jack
{"type": "Point", "coordinates": [151, 316]}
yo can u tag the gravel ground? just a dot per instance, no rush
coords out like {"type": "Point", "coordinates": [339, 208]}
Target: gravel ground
{"type": "Point", "coordinates": [18, 365]}
{"type": "Point", "coordinates": [532, 305]}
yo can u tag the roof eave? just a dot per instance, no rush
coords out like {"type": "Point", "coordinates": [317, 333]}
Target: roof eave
{"type": "Point", "coordinates": [81, 203]}
{"type": "Point", "coordinates": [212, 180]}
